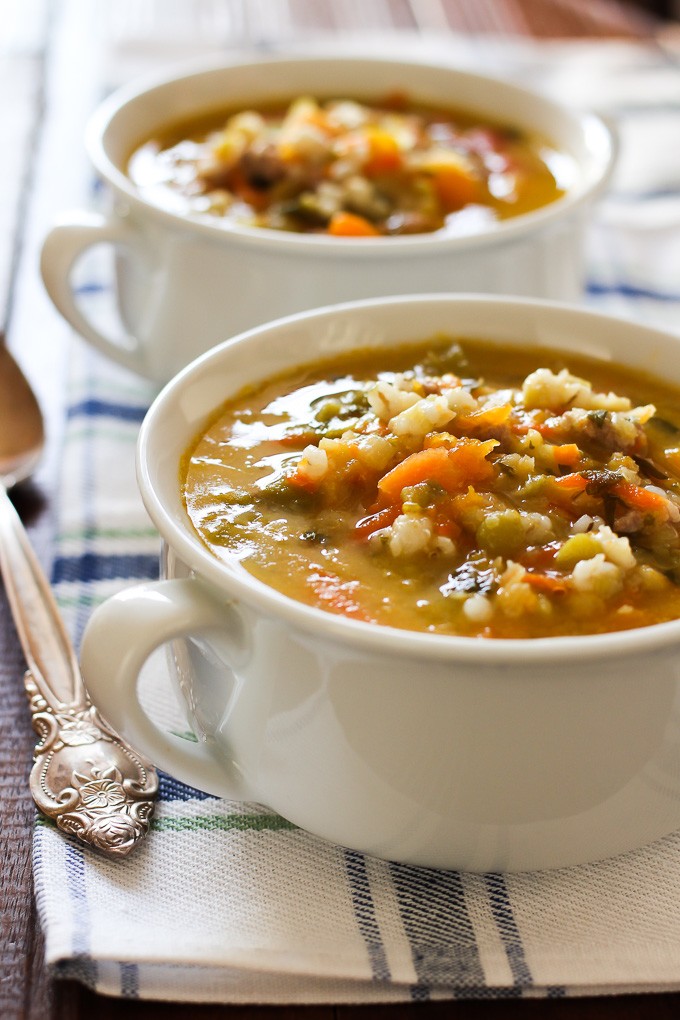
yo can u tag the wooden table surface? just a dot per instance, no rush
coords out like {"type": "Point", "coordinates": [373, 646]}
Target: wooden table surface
{"type": "Point", "coordinates": [26, 990]}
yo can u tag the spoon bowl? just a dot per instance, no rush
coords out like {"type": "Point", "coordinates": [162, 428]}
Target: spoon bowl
{"type": "Point", "coordinates": [22, 433]}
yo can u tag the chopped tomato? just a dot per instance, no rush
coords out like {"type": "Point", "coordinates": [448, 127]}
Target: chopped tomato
{"type": "Point", "coordinates": [539, 557]}
{"type": "Point", "coordinates": [367, 526]}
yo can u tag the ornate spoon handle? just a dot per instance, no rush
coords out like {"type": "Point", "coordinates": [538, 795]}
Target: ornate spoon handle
{"type": "Point", "coordinates": [84, 778]}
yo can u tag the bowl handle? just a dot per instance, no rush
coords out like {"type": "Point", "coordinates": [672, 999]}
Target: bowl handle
{"type": "Point", "coordinates": [64, 244]}
{"type": "Point", "coordinates": [118, 639]}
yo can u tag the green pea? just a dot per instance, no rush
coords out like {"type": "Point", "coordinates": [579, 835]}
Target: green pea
{"type": "Point", "coordinates": [502, 533]}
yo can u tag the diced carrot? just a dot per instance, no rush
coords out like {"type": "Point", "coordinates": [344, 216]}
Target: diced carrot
{"type": "Point", "coordinates": [566, 455]}
{"type": "Point", "coordinates": [455, 186]}
{"type": "Point", "coordinates": [639, 498]}
{"type": "Point", "coordinates": [384, 155]}
{"type": "Point", "coordinates": [334, 595]}
{"type": "Point", "coordinates": [563, 490]}
{"type": "Point", "coordinates": [425, 465]}
{"type": "Point", "coordinates": [452, 469]}
{"type": "Point", "coordinates": [367, 526]}
{"type": "Point", "coordinates": [571, 483]}
{"type": "Point", "coordinates": [545, 583]}
{"type": "Point", "coordinates": [488, 417]}
{"type": "Point", "coordinates": [346, 224]}
{"type": "Point", "coordinates": [300, 480]}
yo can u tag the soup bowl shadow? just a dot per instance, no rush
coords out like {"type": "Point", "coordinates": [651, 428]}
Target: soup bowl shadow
{"type": "Point", "coordinates": [443, 751]}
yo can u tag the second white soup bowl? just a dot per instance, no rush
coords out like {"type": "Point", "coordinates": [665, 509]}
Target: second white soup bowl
{"type": "Point", "coordinates": [185, 282]}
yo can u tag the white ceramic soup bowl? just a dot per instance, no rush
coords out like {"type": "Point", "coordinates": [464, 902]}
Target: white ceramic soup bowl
{"type": "Point", "coordinates": [441, 751]}
{"type": "Point", "coordinates": [184, 283]}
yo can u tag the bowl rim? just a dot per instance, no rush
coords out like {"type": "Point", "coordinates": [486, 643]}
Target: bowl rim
{"type": "Point", "coordinates": [588, 122]}
{"type": "Point", "coordinates": [381, 639]}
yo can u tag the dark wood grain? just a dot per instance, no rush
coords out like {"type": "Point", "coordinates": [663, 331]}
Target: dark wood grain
{"type": "Point", "coordinates": [24, 988]}
{"type": "Point", "coordinates": [26, 991]}
{"type": "Point", "coordinates": [73, 1002]}
{"type": "Point", "coordinates": [16, 813]}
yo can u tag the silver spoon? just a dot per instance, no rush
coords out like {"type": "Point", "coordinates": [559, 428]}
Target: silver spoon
{"type": "Point", "coordinates": [85, 778]}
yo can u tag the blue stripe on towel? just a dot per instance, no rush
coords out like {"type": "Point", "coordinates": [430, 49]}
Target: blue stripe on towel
{"type": "Point", "coordinates": [129, 980]}
{"type": "Point", "coordinates": [105, 409]}
{"type": "Point", "coordinates": [364, 912]}
{"type": "Point", "coordinates": [97, 567]}
{"type": "Point", "coordinates": [435, 918]}
{"type": "Point", "coordinates": [629, 291]}
{"type": "Point", "coordinates": [170, 789]}
{"type": "Point", "coordinates": [501, 909]}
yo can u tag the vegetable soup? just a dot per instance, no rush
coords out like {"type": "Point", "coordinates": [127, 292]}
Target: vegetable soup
{"type": "Point", "coordinates": [454, 487]}
{"type": "Point", "coordinates": [347, 168]}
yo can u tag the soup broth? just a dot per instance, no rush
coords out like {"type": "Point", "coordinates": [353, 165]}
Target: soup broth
{"type": "Point", "coordinates": [452, 487]}
{"type": "Point", "coordinates": [349, 168]}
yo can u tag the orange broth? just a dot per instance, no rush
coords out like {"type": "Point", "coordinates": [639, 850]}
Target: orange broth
{"type": "Point", "coordinates": [350, 168]}
{"type": "Point", "coordinates": [453, 487]}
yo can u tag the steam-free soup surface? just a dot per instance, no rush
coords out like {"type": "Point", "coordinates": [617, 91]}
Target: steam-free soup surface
{"type": "Point", "coordinates": [452, 487]}
{"type": "Point", "coordinates": [347, 168]}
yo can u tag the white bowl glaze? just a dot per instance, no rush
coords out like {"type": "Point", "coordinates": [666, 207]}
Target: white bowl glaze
{"type": "Point", "coordinates": [441, 751]}
{"type": "Point", "coordinates": [183, 283]}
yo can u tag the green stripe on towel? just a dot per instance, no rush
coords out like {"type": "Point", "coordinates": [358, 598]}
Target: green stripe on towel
{"type": "Point", "coordinates": [228, 823]}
